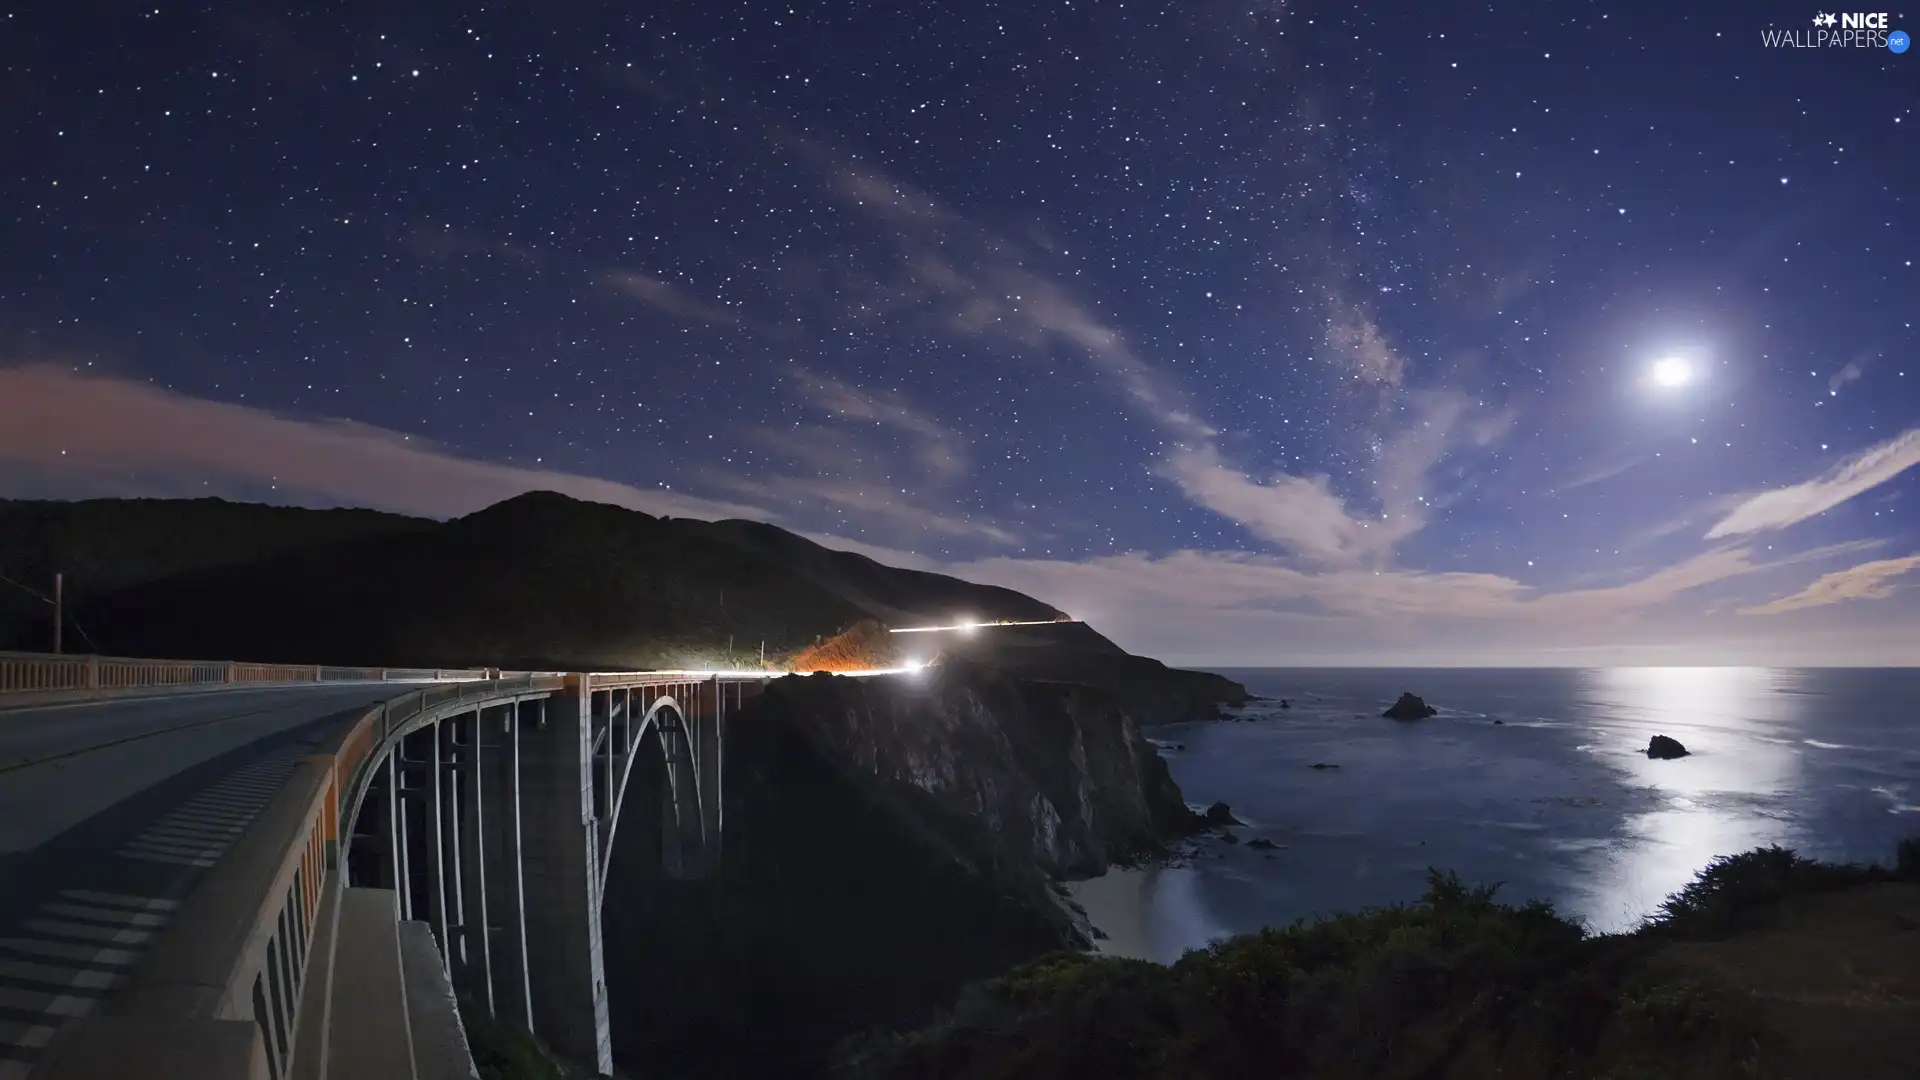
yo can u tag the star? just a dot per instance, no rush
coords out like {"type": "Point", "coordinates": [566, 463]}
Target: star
{"type": "Point", "coordinates": [1824, 19]}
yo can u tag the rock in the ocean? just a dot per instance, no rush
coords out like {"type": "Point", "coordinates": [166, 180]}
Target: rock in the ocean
{"type": "Point", "coordinates": [1661, 746]}
{"type": "Point", "coordinates": [1285, 704]}
{"type": "Point", "coordinates": [1220, 814]}
{"type": "Point", "coordinates": [1228, 836]}
{"type": "Point", "coordinates": [1322, 765]}
{"type": "Point", "coordinates": [1499, 723]}
{"type": "Point", "coordinates": [1409, 707]}
{"type": "Point", "coordinates": [1261, 842]}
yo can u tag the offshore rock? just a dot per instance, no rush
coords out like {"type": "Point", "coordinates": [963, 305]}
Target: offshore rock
{"type": "Point", "coordinates": [1662, 747]}
{"type": "Point", "coordinates": [1409, 707]}
{"type": "Point", "coordinates": [1219, 814]}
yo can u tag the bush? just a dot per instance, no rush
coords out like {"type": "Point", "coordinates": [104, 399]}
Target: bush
{"type": "Point", "coordinates": [502, 1051]}
{"type": "Point", "coordinates": [1724, 896]}
{"type": "Point", "coordinates": [1341, 991]}
{"type": "Point", "coordinates": [1455, 984]}
{"type": "Point", "coordinates": [1670, 1013]}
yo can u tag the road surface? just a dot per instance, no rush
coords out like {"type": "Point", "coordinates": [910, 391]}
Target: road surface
{"type": "Point", "coordinates": [110, 812]}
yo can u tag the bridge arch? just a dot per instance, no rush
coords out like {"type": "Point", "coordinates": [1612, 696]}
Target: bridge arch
{"type": "Point", "coordinates": [667, 734]}
{"type": "Point", "coordinates": [493, 819]}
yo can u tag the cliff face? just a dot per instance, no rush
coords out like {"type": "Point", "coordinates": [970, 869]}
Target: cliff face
{"type": "Point", "coordinates": [888, 841]}
{"type": "Point", "coordinates": [1057, 774]}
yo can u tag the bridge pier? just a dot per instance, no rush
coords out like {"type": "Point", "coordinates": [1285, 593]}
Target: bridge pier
{"type": "Point", "coordinates": [561, 866]}
{"type": "Point", "coordinates": [498, 826]}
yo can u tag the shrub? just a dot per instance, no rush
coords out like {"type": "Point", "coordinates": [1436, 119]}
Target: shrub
{"type": "Point", "coordinates": [1676, 1012]}
{"type": "Point", "coordinates": [1723, 896]}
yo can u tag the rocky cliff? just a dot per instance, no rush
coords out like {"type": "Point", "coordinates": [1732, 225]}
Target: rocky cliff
{"type": "Point", "coordinates": [888, 841]}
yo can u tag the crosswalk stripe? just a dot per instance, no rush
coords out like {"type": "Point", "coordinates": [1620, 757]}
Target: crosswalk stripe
{"type": "Point", "coordinates": [63, 950]}
{"type": "Point", "coordinates": [78, 978]}
{"type": "Point", "coordinates": [222, 834]}
{"type": "Point", "coordinates": [40, 1001]}
{"type": "Point", "coordinates": [82, 931]}
{"type": "Point", "coordinates": [177, 847]}
{"type": "Point", "coordinates": [222, 819]}
{"type": "Point", "coordinates": [130, 918]}
{"type": "Point", "coordinates": [175, 860]}
{"type": "Point", "coordinates": [88, 896]}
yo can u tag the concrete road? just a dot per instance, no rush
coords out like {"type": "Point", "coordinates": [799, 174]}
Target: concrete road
{"type": "Point", "coordinates": [110, 812]}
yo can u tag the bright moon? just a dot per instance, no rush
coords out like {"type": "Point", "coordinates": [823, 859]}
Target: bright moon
{"type": "Point", "coordinates": [1672, 371]}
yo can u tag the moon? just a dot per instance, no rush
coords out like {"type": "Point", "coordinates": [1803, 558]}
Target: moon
{"type": "Point", "coordinates": [1672, 372]}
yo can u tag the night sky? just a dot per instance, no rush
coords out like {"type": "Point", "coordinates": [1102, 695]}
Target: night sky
{"type": "Point", "coordinates": [1255, 332]}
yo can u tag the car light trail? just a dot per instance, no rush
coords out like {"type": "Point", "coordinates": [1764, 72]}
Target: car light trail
{"type": "Point", "coordinates": [965, 626]}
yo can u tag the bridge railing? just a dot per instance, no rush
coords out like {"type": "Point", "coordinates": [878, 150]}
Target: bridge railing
{"type": "Point", "coordinates": [49, 672]}
{"type": "Point", "coordinates": [238, 950]}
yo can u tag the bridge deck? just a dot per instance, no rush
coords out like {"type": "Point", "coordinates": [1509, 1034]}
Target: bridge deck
{"type": "Point", "coordinates": [109, 813]}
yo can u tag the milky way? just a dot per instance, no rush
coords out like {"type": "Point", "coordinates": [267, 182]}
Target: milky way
{"type": "Point", "coordinates": [1254, 332]}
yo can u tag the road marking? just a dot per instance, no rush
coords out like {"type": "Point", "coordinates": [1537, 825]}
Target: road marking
{"type": "Point", "coordinates": [120, 900]}
{"type": "Point", "coordinates": [74, 966]}
{"type": "Point", "coordinates": [169, 842]}
{"type": "Point", "coordinates": [61, 929]}
{"type": "Point", "coordinates": [197, 832]}
{"type": "Point", "coordinates": [202, 829]}
{"type": "Point", "coordinates": [47, 1004]}
{"type": "Point", "coordinates": [85, 942]}
{"type": "Point", "coordinates": [66, 951]}
{"type": "Point", "coordinates": [131, 918]}
{"type": "Point", "coordinates": [28, 971]}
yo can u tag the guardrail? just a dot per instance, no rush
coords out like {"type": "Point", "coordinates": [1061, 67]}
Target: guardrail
{"type": "Point", "coordinates": [239, 949]}
{"type": "Point", "coordinates": [42, 672]}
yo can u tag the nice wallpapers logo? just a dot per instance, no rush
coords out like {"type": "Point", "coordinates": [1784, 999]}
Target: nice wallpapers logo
{"type": "Point", "coordinates": [1850, 29]}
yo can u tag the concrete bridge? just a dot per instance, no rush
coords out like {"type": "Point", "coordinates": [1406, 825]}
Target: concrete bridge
{"type": "Point", "coordinates": [290, 872]}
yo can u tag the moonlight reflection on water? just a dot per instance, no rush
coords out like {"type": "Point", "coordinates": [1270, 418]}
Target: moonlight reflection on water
{"type": "Point", "coordinates": [1556, 801]}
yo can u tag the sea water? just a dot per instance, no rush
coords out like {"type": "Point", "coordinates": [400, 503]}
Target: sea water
{"type": "Point", "coordinates": [1535, 779]}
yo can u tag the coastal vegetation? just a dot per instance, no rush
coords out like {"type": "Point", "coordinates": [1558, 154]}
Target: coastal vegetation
{"type": "Point", "coordinates": [1767, 964]}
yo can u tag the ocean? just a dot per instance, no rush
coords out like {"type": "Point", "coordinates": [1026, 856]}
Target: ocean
{"type": "Point", "coordinates": [1533, 778]}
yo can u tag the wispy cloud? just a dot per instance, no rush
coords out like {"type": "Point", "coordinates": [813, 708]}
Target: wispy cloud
{"type": "Point", "coordinates": [1199, 591]}
{"type": "Point", "coordinates": [1849, 371]}
{"type": "Point", "coordinates": [1300, 513]}
{"type": "Point", "coordinates": [1867, 581]}
{"type": "Point", "coordinates": [940, 450]}
{"type": "Point", "coordinates": [90, 428]}
{"type": "Point", "coordinates": [1786, 506]}
{"type": "Point", "coordinates": [665, 296]}
{"type": "Point", "coordinates": [867, 505]}
{"type": "Point", "coordinates": [987, 284]}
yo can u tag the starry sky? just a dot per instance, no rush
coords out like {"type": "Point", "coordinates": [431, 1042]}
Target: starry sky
{"type": "Point", "coordinates": [1255, 333]}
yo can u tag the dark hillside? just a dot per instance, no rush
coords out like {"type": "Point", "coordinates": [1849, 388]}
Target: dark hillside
{"type": "Point", "coordinates": [102, 545]}
{"type": "Point", "coordinates": [890, 594]}
{"type": "Point", "coordinates": [541, 580]}
{"type": "Point", "coordinates": [537, 581]}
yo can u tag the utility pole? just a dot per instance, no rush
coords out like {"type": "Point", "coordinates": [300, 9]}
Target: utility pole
{"type": "Point", "coordinates": [59, 612]}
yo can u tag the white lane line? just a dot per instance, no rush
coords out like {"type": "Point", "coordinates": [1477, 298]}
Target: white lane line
{"type": "Point", "coordinates": [166, 847]}
{"type": "Point", "coordinates": [80, 979]}
{"type": "Point", "coordinates": [44, 1003]}
{"type": "Point", "coordinates": [81, 931]}
{"type": "Point", "coordinates": [62, 950]}
{"type": "Point", "coordinates": [220, 820]}
{"type": "Point", "coordinates": [223, 806]}
{"type": "Point", "coordinates": [90, 972]}
{"type": "Point", "coordinates": [214, 833]}
{"type": "Point", "coordinates": [171, 860]}
{"type": "Point", "coordinates": [130, 918]}
{"type": "Point", "coordinates": [88, 896]}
